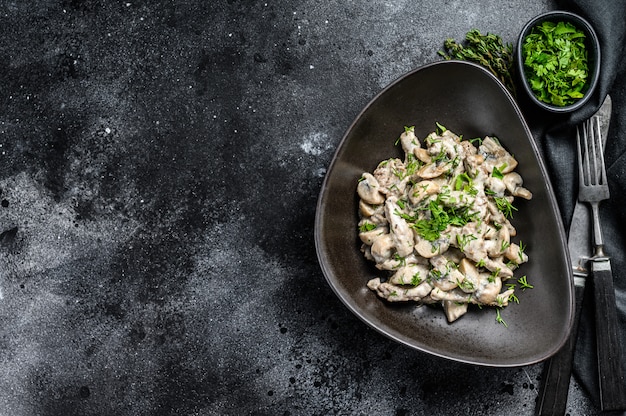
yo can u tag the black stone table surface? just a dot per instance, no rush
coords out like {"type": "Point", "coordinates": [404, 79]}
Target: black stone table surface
{"type": "Point", "coordinates": [160, 164]}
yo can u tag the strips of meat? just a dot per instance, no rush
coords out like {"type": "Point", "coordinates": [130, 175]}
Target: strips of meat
{"type": "Point", "coordinates": [438, 222]}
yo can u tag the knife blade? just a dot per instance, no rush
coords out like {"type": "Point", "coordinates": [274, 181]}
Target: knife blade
{"type": "Point", "coordinates": [557, 370]}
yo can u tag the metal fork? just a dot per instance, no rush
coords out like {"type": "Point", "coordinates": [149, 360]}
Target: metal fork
{"type": "Point", "coordinates": [593, 188]}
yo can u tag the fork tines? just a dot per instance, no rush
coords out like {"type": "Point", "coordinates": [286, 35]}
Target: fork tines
{"type": "Point", "coordinates": [593, 184]}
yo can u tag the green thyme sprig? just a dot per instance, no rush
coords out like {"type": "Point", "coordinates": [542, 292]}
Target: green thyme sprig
{"type": "Point", "coordinates": [487, 50]}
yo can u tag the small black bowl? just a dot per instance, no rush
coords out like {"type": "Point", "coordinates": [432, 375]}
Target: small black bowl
{"type": "Point", "coordinates": [593, 50]}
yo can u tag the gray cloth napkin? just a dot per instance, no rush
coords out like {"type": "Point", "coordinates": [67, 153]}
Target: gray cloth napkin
{"type": "Point", "coordinates": [556, 139]}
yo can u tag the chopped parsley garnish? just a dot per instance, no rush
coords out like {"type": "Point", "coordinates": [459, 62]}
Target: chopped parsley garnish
{"type": "Point", "coordinates": [556, 62]}
{"type": "Point", "coordinates": [497, 171]}
{"type": "Point", "coordinates": [505, 206]}
{"type": "Point", "coordinates": [401, 260]}
{"type": "Point", "coordinates": [466, 285]}
{"type": "Point", "coordinates": [463, 182]}
{"type": "Point", "coordinates": [439, 217]}
{"type": "Point", "coordinates": [416, 279]}
{"type": "Point", "coordinates": [523, 282]}
{"type": "Point", "coordinates": [499, 318]}
{"type": "Point", "coordinates": [412, 164]}
{"type": "Point", "coordinates": [431, 228]}
{"type": "Point", "coordinates": [435, 274]}
{"type": "Point", "coordinates": [520, 253]}
{"type": "Point", "coordinates": [441, 157]}
{"type": "Point", "coordinates": [512, 297]}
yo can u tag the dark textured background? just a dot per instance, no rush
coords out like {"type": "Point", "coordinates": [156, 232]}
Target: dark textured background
{"type": "Point", "coordinates": [159, 168]}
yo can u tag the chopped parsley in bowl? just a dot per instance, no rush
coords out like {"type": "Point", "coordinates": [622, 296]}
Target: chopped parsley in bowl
{"type": "Point", "coordinates": [558, 58]}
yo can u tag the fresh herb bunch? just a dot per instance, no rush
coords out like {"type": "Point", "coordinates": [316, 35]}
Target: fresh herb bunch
{"type": "Point", "coordinates": [555, 62]}
{"type": "Point", "coordinates": [487, 50]}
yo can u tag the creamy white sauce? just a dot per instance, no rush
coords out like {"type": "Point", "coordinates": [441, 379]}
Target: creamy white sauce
{"type": "Point", "coordinates": [438, 222]}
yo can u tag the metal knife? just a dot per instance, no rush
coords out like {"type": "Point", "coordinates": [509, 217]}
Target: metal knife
{"type": "Point", "coordinates": [557, 370]}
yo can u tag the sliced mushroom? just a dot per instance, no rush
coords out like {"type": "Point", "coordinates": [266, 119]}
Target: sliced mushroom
{"type": "Point", "coordinates": [495, 185]}
{"type": "Point", "coordinates": [429, 249]}
{"type": "Point", "coordinates": [368, 190]}
{"type": "Point", "coordinates": [515, 253]}
{"type": "Point", "coordinates": [379, 219]}
{"type": "Point", "coordinates": [368, 237]}
{"type": "Point", "coordinates": [471, 278]}
{"type": "Point", "coordinates": [368, 210]}
{"type": "Point", "coordinates": [488, 289]}
{"type": "Point", "coordinates": [503, 298]}
{"type": "Point", "coordinates": [433, 170]}
{"type": "Point", "coordinates": [454, 295]}
{"type": "Point", "coordinates": [422, 154]}
{"type": "Point", "coordinates": [421, 190]}
{"type": "Point", "coordinates": [412, 274]}
{"type": "Point", "coordinates": [489, 292]}
{"type": "Point", "coordinates": [454, 310]}
{"type": "Point", "coordinates": [513, 182]}
{"type": "Point", "coordinates": [383, 248]}
{"type": "Point", "coordinates": [498, 266]}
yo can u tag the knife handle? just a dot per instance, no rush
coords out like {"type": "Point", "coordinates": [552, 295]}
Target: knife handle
{"type": "Point", "coordinates": [557, 370]}
{"type": "Point", "coordinates": [611, 376]}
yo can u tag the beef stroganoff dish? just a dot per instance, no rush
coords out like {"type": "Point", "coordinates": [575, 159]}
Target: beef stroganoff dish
{"type": "Point", "coordinates": [438, 223]}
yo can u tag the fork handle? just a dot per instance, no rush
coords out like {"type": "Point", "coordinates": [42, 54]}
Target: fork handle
{"type": "Point", "coordinates": [557, 371]}
{"type": "Point", "coordinates": [611, 376]}
{"type": "Point", "coordinates": [598, 240]}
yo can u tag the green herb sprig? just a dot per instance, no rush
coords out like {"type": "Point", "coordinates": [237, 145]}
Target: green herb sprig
{"type": "Point", "coordinates": [499, 318]}
{"type": "Point", "coordinates": [440, 217]}
{"type": "Point", "coordinates": [487, 50]}
{"type": "Point", "coordinates": [556, 62]}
